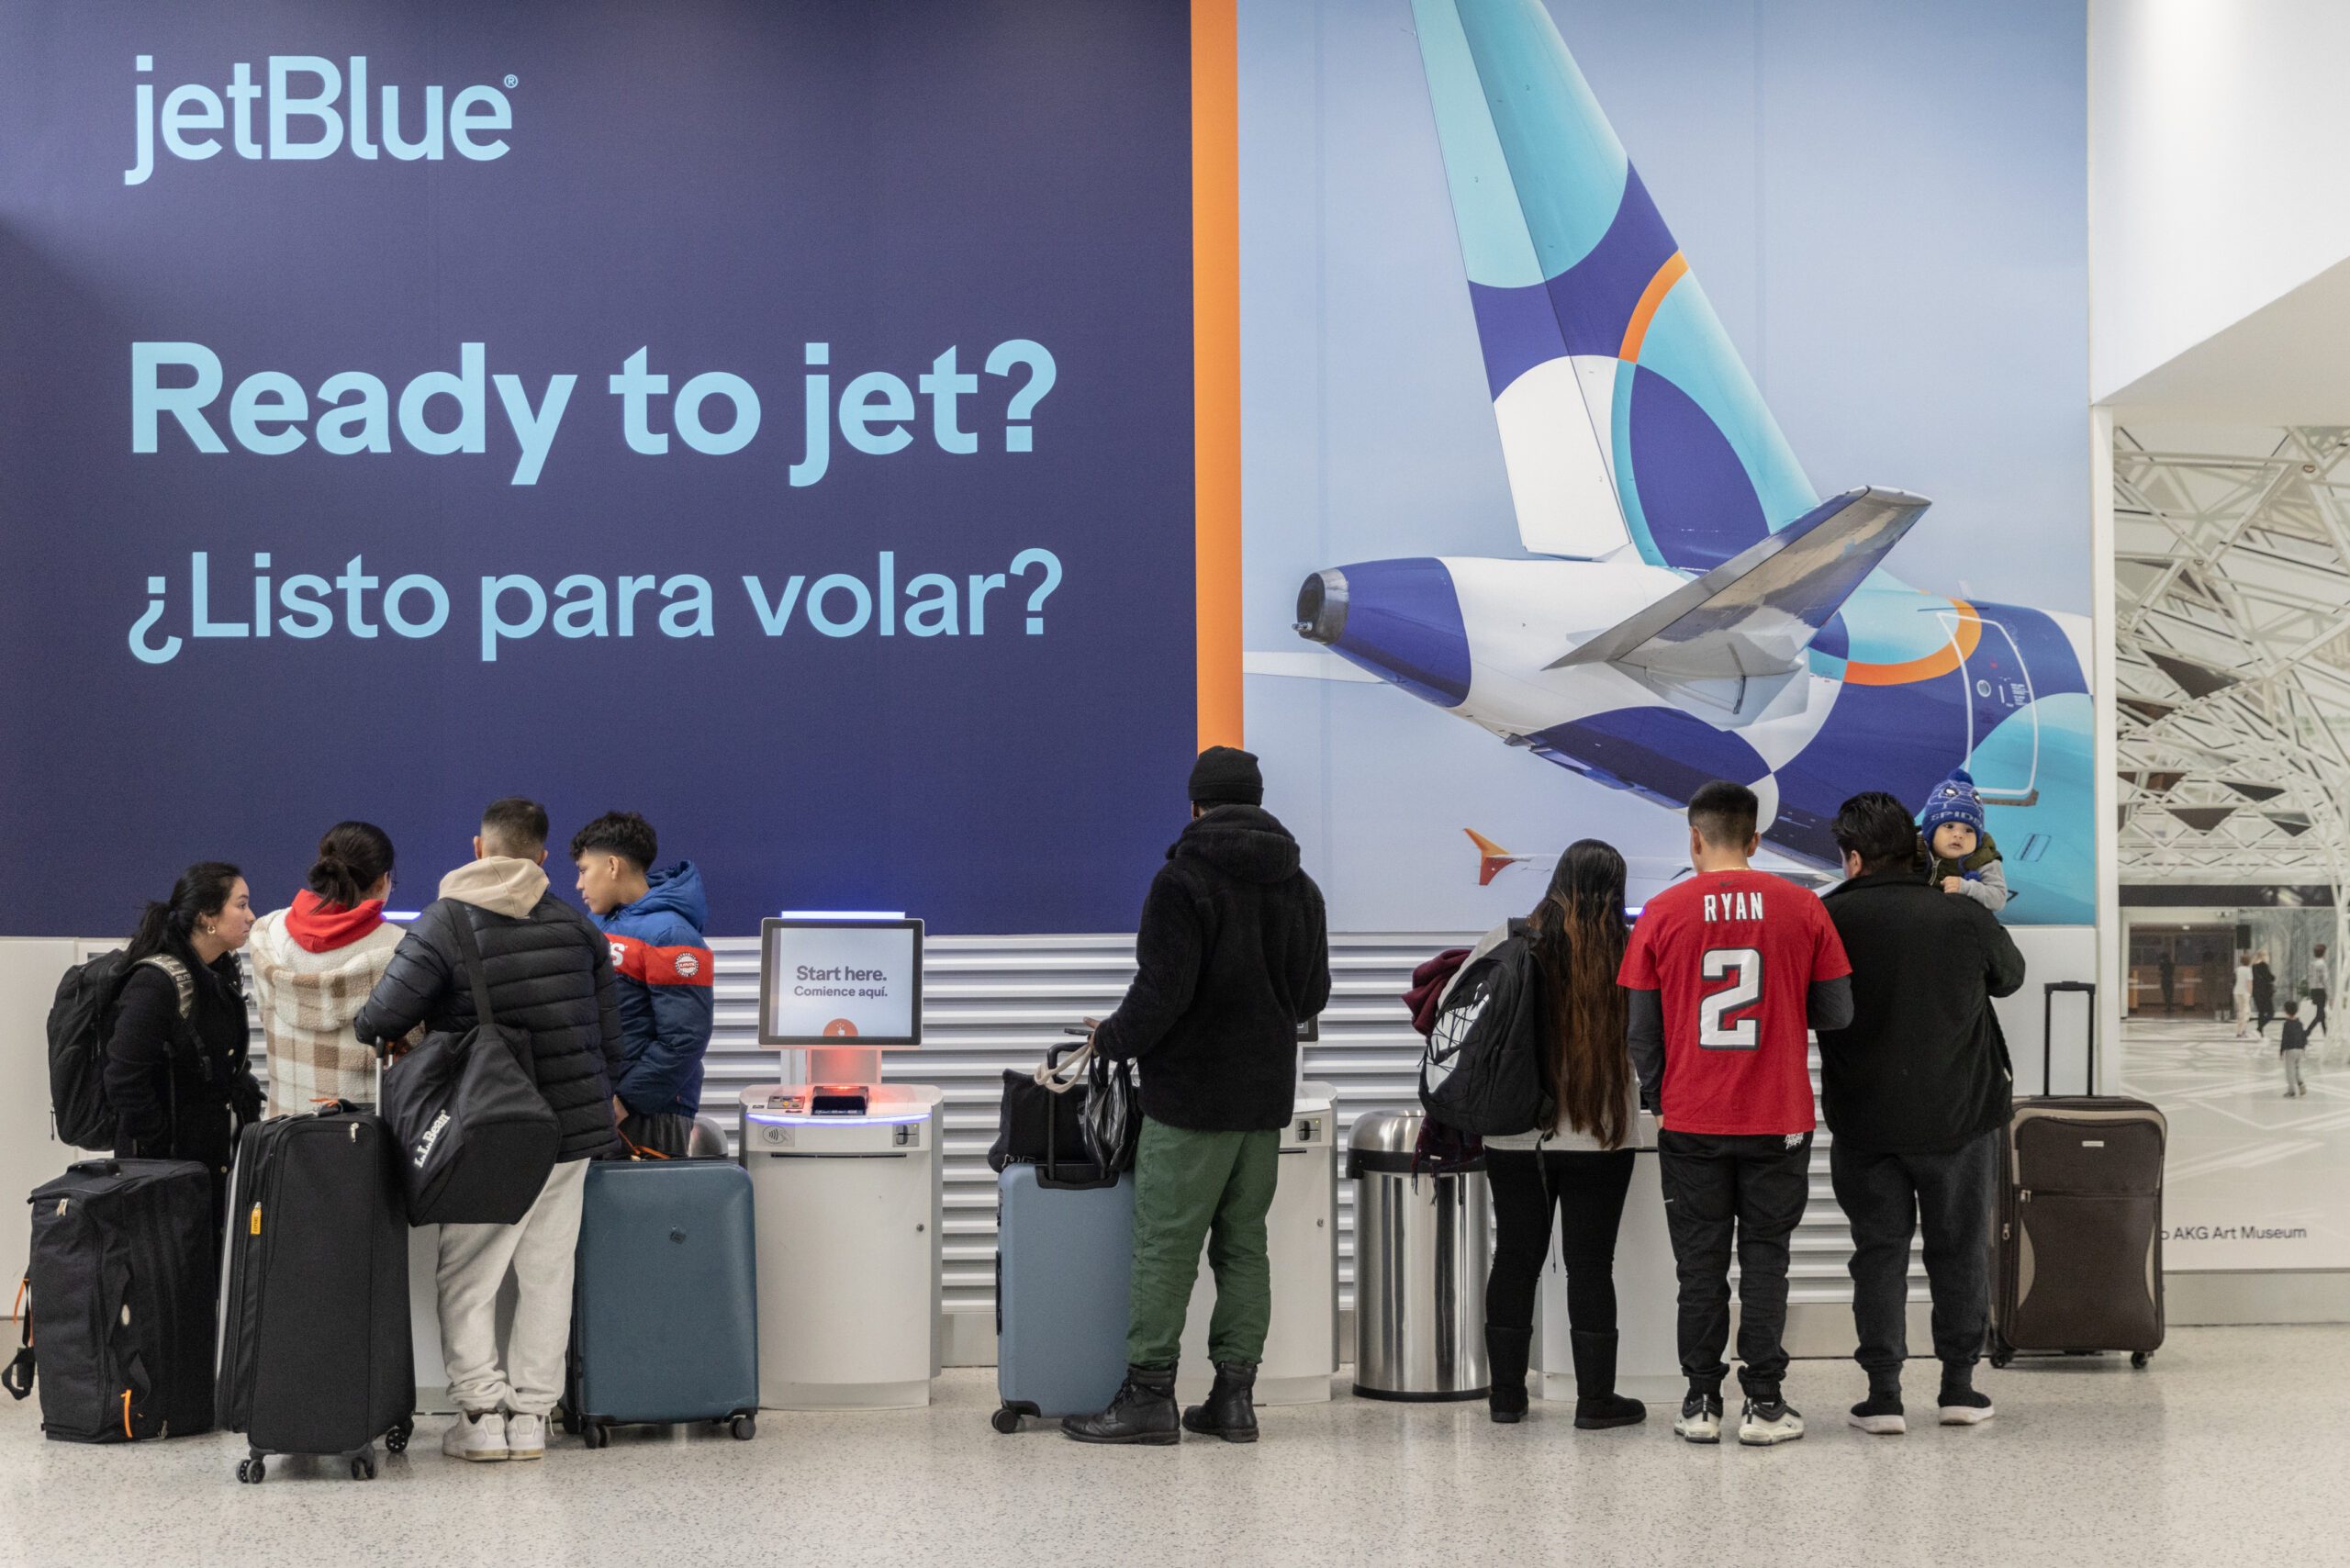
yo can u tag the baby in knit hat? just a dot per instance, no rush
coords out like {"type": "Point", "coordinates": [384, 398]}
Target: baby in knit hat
{"type": "Point", "coordinates": [1954, 850]}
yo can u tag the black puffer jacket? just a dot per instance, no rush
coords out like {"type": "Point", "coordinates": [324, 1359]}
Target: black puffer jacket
{"type": "Point", "coordinates": [180, 1089]}
{"type": "Point", "coordinates": [1235, 953]}
{"type": "Point", "coordinates": [549, 971]}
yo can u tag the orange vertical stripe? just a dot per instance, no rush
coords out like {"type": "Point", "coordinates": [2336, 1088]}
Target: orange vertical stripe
{"type": "Point", "coordinates": [1215, 365]}
{"type": "Point", "coordinates": [1637, 328]}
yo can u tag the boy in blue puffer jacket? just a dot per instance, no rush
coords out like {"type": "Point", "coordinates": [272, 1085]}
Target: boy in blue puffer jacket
{"type": "Point", "coordinates": [654, 919]}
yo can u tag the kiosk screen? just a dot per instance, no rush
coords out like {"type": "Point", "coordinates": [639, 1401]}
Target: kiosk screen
{"type": "Point", "coordinates": [850, 983]}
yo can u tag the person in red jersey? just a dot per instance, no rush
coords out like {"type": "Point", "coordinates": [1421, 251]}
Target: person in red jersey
{"type": "Point", "coordinates": [1729, 972]}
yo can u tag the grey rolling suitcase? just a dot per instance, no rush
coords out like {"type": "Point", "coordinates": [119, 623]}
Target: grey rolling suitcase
{"type": "Point", "coordinates": [1064, 1248]}
{"type": "Point", "coordinates": [2077, 1239]}
{"type": "Point", "coordinates": [665, 1324]}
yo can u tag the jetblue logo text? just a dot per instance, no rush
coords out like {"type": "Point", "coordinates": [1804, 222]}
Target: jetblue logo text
{"type": "Point", "coordinates": [308, 107]}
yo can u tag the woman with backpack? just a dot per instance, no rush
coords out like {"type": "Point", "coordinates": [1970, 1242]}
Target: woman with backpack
{"type": "Point", "coordinates": [177, 1075]}
{"type": "Point", "coordinates": [314, 964]}
{"type": "Point", "coordinates": [1582, 1165]}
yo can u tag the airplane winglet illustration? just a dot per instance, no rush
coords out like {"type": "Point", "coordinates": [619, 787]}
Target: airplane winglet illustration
{"type": "Point", "coordinates": [1492, 858]}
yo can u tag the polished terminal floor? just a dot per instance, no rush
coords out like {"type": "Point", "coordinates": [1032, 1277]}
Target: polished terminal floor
{"type": "Point", "coordinates": [2226, 1450]}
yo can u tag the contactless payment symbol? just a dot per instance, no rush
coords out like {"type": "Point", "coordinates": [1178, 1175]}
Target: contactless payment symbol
{"type": "Point", "coordinates": [840, 1028]}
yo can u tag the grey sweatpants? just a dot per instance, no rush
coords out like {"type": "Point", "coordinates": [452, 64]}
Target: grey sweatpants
{"type": "Point", "coordinates": [524, 1377]}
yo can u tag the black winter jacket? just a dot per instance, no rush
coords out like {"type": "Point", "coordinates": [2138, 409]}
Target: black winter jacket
{"type": "Point", "coordinates": [179, 1090]}
{"type": "Point", "coordinates": [1235, 953]}
{"type": "Point", "coordinates": [1922, 1067]}
{"type": "Point", "coordinates": [550, 972]}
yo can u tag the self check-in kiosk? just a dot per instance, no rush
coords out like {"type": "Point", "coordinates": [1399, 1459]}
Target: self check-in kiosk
{"type": "Point", "coordinates": [844, 1168]}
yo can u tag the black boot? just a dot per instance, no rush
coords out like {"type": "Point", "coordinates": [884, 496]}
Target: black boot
{"type": "Point", "coordinates": [1506, 1352]}
{"type": "Point", "coordinates": [1596, 1402]}
{"type": "Point", "coordinates": [1144, 1411]}
{"type": "Point", "coordinates": [1231, 1410]}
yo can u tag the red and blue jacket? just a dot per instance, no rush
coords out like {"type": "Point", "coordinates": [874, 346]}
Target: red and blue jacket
{"type": "Point", "coordinates": [662, 964]}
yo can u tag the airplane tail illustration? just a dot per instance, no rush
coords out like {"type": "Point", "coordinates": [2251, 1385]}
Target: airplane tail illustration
{"type": "Point", "coordinates": [1492, 860]}
{"type": "Point", "coordinates": [1627, 417]}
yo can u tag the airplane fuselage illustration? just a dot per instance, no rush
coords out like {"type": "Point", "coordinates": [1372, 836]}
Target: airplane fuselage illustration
{"type": "Point", "coordinates": [1687, 608]}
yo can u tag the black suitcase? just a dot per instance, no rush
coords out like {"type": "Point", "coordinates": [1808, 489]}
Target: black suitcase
{"type": "Point", "coordinates": [2078, 1259]}
{"type": "Point", "coordinates": [314, 1322]}
{"type": "Point", "coordinates": [118, 1299]}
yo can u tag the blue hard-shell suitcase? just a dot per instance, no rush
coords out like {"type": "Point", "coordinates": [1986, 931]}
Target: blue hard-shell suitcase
{"type": "Point", "coordinates": [664, 1322]}
{"type": "Point", "coordinates": [1063, 1254]}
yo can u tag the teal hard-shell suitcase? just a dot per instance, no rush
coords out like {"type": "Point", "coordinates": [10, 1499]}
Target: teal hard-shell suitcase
{"type": "Point", "coordinates": [665, 1325]}
{"type": "Point", "coordinates": [1064, 1250]}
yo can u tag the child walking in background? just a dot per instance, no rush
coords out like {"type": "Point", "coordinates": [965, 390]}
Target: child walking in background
{"type": "Point", "coordinates": [1956, 852]}
{"type": "Point", "coordinates": [2295, 1047]}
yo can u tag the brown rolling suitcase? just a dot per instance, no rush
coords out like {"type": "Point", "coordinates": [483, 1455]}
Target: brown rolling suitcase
{"type": "Point", "coordinates": [2078, 1254]}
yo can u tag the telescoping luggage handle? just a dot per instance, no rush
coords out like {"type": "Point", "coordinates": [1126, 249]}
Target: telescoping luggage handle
{"type": "Point", "coordinates": [2048, 1033]}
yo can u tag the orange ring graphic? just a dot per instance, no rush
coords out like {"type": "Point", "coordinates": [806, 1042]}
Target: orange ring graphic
{"type": "Point", "coordinates": [1944, 660]}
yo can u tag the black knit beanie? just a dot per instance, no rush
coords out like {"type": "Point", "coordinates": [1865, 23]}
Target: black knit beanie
{"type": "Point", "coordinates": [1225, 776]}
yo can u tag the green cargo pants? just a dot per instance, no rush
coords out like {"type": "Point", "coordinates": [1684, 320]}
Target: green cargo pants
{"type": "Point", "coordinates": [1190, 1187]}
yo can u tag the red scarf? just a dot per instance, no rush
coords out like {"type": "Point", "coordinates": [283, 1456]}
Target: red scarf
{"type": "Point", "coordinates": [320, 927]}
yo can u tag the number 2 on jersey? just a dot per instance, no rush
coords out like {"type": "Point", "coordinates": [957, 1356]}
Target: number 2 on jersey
{"type": "Point", "coordinates": [1744, 1034]}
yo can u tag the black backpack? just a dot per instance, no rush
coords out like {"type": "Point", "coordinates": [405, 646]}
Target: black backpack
{"type": "Point", "coordinates": [1481, 1071]}
{"type": "Point", "coordinates": [79, 1022]}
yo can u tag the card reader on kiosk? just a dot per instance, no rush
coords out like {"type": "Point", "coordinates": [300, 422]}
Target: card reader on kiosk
{"type": "Point", "coordinates": [844, 1170]}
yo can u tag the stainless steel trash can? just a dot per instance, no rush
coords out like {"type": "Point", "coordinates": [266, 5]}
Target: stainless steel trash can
{"type": "Point", "coordinates": [1422, 1245]}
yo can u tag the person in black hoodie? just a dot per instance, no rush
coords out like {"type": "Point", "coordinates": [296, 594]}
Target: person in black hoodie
{"type": "Point", "coordinates": [550, 972]}
{"type": "Point", "coordinates": [177, 1074]}
{"type": "Point", "coordinates": [1915, 1090]}
{"type": "Point", "coordinates": [1234, 954]}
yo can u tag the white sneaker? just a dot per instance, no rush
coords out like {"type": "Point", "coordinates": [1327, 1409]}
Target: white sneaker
{"type": "Point", "coordinates": [526, 1437]}
{"type": "Point", "coordinates": [1763, 1423]}
{"type": "Point", "coordinates": [479, 1438]}
{"type": "Point", "coordinates": [1700, 1420]}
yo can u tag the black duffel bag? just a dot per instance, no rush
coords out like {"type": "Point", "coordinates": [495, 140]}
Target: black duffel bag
{"type": "Point", "coordinates": [1078, 1122]}
{"type": "Point", "coordinates": [476, 1138]}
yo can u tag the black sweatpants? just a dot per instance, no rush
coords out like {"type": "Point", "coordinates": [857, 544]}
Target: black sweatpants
{"type": "Point", "coordinates": [1586, 1187]}
{"type": "Point", "coordinates": [1887, 1197]}
{"type": "Point", "coordinates": [1752, 1189]}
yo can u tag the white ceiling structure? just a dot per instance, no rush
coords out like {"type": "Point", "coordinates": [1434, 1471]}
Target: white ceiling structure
{"type": "Point", "coordinates": [2232, 572]}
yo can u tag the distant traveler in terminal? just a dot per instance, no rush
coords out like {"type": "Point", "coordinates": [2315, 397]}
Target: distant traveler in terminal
{"type": "Point", "coordinates": [2244, 994]}
{"type": "Point", "coordinates": [1583, 1166]}
{"type": "Point", "coordinates": [314, 966]}
{"type": "Point", "coordinates": [2294, 1047]}
{"type": "Point", "coordinates": [550, 972]}
{"type": "Point", "coordinates": [1234, 954]}
{"type": "Point", "coordinates": [653, 917]}
{"type": "Point", "coordinates": [176, 1072]}
{"type": "Point", "coordinates": [1725, 970]}
{"type": "Point", "coordinates": [1917, 1090]}
{"type": "Point", "coordinates": [2263, 994]}
{"type": "Point", "coordinates": [2321, 987]}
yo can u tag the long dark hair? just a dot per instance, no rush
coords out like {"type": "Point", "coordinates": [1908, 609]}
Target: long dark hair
{"type": "Point", "coordinates": [1579, 938]}
{"type": "Point", "coordinates": [201, 892]}
{"type": "Point", "coordinates": [352, 857]}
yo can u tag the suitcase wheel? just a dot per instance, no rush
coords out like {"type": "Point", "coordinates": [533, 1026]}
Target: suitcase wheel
{"type": "Point", "coordinates": [570, 1422]}
{"type": "Point", "coordinates": [363, 1467]}
{"type": "Point", "coordinates": [396, 1440]}
{"type": "Point", "coordinates": [1006, 1420]}
{"type": "Point", "coordinates": [744, 1428]}
{"type": "Point", "coordinates": [596, 1435]}
{"type": "Point", "coordinates": [2138, 1359]}
{"type": "Point", "coordinates": [1999, 1359]}
{"type": "Point", "coordinates": [251, 1471]}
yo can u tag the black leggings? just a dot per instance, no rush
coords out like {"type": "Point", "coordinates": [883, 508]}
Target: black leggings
{"type": "Point", "coordinates": [1588, 1187]}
